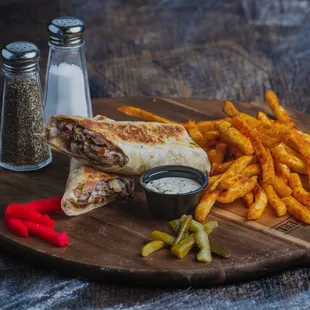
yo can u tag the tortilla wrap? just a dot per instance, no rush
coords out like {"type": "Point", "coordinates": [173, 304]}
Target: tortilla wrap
{"type": "Point", "coordinates": [88, 189]}
{"type": "Point", "coordinates": [129, 148]}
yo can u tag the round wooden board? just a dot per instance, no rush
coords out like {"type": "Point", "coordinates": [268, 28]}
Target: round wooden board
{"type": "Point", "coordinates": [105, 243]}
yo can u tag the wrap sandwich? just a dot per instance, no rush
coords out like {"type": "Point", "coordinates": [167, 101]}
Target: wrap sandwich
{"type": "Point", "coordinates": [129, 148]}
{"type": "Point", "coordinates": [88, 189]}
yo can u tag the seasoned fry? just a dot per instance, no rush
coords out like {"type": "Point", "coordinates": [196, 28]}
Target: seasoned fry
{"type": "Point", "coordinates": [257, 209]}
{"type": "Point", "coordinates": [221, 168]}
{"type": "Point", "coordinates": [277, 109]}
{"type": "Point", "coordinates": [211, 155]}
{"type": "Point", "coordinates": [268, 141]}
{"type": "Point", "coordinates": [293, 162]}
{"type": "Point", "coordinates": [281, 188]}
{"type": "Point", "coordinates": [235, 169]}
{"type": "Point", "coordinates": [282, 170]}
{"type": "Point", "coordinates": [277, 204]}
{"type": "Point", "coordinates": [236, 151]}
{"type": "Point", "coordinates": [261, 152]}
{"type": "Point", "coordinates": [233, 135]}
{"type": "Point", "coordinates": [240, 189]}
{"type": "Point", "coordinates": [207, 126]}
{"type": "Point", "coordinates": [262, 116]}
{"type": "Point", "coordinates": [195, 133]}
{"type": "Point", "coordinates": [304, 148]}
{"type": "Point", "coordinates": [291, 151]}
{"type": "Point", "coordinates": [250, 170]}
{"type": "Point", "coordinates": [297, 209]}
{"type": "Point", "coordinates": [248, 199]}
{"type": "Point", "coordinates": [143, 115]}
{"type": "Point", "coordinates": [229, 109]}
{"type": "Point", "coordinates": [211, 137]}
{"type": "Point", "coordinates": [205, 204]}
{"type": "Point", "coordinates": [226, 184]}
{"type": "Point", "coordinates": [213, 179]}
{"type": "Point", "coordinates": [298, 191]}
{"type": "Point", "coordinates": [220, 149]}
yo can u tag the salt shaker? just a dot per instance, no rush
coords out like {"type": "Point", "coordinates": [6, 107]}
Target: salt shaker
{"type": "Point", "coordinates": [22, 120]}
{"type": "Point", "coordinates": [66, 86]}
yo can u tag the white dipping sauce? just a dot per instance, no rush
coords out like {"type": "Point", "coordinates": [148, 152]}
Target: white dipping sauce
{"type": "Point", "coordinates": [173, 185]}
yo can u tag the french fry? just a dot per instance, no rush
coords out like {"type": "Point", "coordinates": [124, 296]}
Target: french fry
{"type": "Point", "coordinates": [241, 188]}
{"type": "Point", "coordinates": [250, 170]}
{"type": "Point", "coordinates": [268, 141]}
{"type": "Point", "coordinates": [262, 116]}
{"type": "Point", "coordinates": [205, 204]}
{"type": "Point", "coordinates": [233, 135]}
{"type": "Point", "coordinates": [211, 137]}
{"type": "Point", "coordinates": [304, 148]}
{"type": "Point", "coordinates": [213, 179]}
{"type": "Point", "coordinates": [222, 167]}
{"type": "Point", "coordinates": [291, 151]}
{"type": "Point", "coordinates": [257, 209]}
{"type": "Point", "coordinates": [281, 188]}
{"type": "Point", "coordinates": [235, 168]}
{"type": "Point", "coordinates": [248, 199]}
{"type": "Point", "coordinates": [220, 149]}
{"type": "Point", "coordinates": [282, 170]}
{"type": "Point", "coordinates": [296, 209]}
{"type": "Point", "coordinates": [236, 151]}
{"type": "Point", "coordinates": [206, 126]}
{"type": "Point", "coordinates": [143, 115]}
{"type": "Point", "coordinates": [211, 155]}
{"type": "Point", "coordinates": [277, 109]}
{"type": "Point", "coordinates": [261, 152]}
{"type": "Point", "coordinates": [229, 109]}
{"type": "Point", "coordinates": [276, 203]}
{"type": "Point", "coordinates": [298, 190]}
{"type": "Point", "coordinates": [226, 184]}
{"type": "Point", "coordinates": [195, 133]}
{"type": "Point", "coordinates": [293, 162]}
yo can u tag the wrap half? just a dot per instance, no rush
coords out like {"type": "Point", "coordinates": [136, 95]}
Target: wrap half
{"type": "Point", "coordinates": [129, 148]}
{"type": "Point", "coordinates": [88, 189]}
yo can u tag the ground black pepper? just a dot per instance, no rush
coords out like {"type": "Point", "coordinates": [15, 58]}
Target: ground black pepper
{"type": "Point", "coordinates": [22, 123]}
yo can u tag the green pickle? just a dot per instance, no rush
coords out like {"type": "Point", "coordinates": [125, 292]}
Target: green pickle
{"type": "Point", "coordinates": [152, 247]}
{"type": "Point", "coordinates": [220, 252]}
{"type": "Point", "coordinates": [159, 235]}
{"type": "Point", "coordinates": [175, 225]}
{"type": "Point", "coordinates": [185, 222]}
{"type": "Point", "coordinates": [182, 249]}
{"type": "Point", "coordinates": [202, 240]}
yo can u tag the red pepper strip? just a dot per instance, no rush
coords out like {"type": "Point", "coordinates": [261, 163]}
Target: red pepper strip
{"type": "Point", "coordinates": [46, 205]}
{"type": "Point", "coordinates": [46, 233]}
{"type": "Point", "coordinates": [16, 226]}
{"type": "Point", "coordinates": [25, 213]}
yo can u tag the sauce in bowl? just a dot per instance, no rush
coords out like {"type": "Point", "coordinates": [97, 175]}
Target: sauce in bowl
{"type": "Point", "coordinates": [173, 185]}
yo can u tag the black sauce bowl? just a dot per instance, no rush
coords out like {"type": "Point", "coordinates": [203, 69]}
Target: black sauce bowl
{"type": "Point", "coordinates": [172, 206]}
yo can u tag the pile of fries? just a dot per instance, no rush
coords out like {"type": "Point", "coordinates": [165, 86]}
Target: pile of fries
{"type": "Point", "coordinates": [257, 159]}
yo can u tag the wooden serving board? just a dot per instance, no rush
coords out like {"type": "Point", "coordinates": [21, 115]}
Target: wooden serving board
{"type": "Point", "coordinates": [105, 243]}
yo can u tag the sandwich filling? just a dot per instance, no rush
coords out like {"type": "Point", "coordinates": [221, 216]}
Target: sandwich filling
{"type": "Point", "coordinates": [87, 144]}
{"type": "Point", "coordinates": [100, 191]}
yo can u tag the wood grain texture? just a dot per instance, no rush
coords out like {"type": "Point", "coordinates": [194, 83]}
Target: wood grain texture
{"type": "Point", "coordinates": [105, 243]}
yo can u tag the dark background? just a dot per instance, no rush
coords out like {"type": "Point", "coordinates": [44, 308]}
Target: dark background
{"type": "Point", "coordinates": [213, 49]}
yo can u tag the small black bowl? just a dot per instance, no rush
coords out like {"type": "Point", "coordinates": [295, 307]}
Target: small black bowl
{"type": "Point", "coordinates": [172, 206]}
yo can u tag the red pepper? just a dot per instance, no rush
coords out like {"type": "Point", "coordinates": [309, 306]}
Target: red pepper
{"type": "Point", "coordinates": [16, 226]}
{"type": "Point", "coordinates": [25, 213]}
{"type": "Point", "coordinates": [46, 233]}
{"type": "Point", "coordinates": [46, 205]}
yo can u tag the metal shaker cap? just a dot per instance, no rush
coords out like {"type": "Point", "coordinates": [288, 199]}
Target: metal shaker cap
{"type": "Point", "coordinates": [20, 57]}
{"type": "Point", "coordinates": [66, 31]}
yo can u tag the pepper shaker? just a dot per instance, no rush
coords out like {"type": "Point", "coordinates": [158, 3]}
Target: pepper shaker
{"type": "Point", "coordinates": [22, 119]}
{"type": "Point", "coordinates": [66, 86]}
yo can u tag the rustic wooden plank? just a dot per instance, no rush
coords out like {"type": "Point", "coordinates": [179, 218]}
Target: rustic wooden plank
{"type": "Point", "coordinates": [105, 243]}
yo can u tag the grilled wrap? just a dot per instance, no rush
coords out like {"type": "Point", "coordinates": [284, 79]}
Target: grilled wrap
{"type": "Point", "coordinates": [129, 148]}
{"type": "Point", "coordinates": [88, 189]}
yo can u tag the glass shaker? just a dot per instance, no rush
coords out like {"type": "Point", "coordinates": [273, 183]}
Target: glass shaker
{"type": "Point", "coordinates": [66, 86]}
{"type": "Point", "coordinates": [22, 120]}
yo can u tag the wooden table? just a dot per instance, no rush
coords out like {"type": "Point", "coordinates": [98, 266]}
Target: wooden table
{"type": "Point", "coordinates": [209, 49]}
